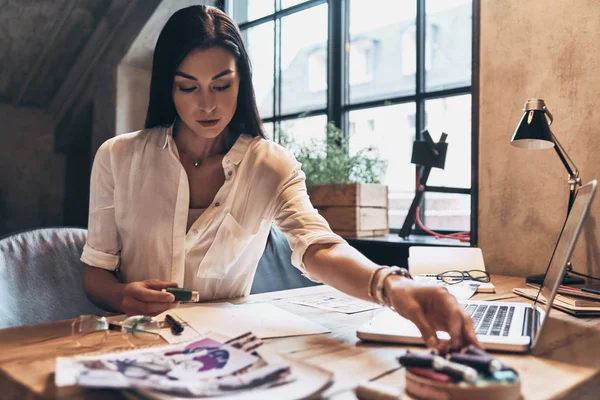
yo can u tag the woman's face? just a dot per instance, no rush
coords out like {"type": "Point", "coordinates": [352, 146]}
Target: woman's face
{"type": "Point", "coordinates": [205, 90]}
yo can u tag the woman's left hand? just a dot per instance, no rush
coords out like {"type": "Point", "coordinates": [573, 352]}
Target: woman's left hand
{"type": "Point", "coordinates": [431, 308]}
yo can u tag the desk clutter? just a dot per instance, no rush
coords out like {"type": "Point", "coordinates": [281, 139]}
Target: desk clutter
{"type": "Point", "coordinates": [210, 367]}
{"type": "Point", "coordinates": [469, 374]}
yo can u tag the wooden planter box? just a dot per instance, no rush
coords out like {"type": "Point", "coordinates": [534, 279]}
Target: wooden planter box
{"type": "Point", "coordinates": [353, 210]}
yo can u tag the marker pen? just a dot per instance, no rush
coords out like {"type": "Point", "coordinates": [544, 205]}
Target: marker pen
{"type": "Point", "coordinates": [176, 326]}
{"type": "Point", "coordinates": [485, 364]}
{"type": "Point", "coordinates": [419, 360]}
{"type": "Point", "coordinates": [182, 294]}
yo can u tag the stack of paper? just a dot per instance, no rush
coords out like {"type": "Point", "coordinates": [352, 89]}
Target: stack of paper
{"type": "Point", "coordinates": [563, 303]}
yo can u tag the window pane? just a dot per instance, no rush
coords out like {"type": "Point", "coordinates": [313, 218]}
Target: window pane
{"type": "Point", "coordinates": [290, 3]}
{"type": "Point", "coordinates": [447, 211]}
{"type": "Point", "coordinates": [448, 44]}
{"type": "Point", "coordinates": [259, 42]}
{"type": "Point", "coordinates": [304, 60]}
{"type": "Point", "coordinates": [382, 59]}
{"type": "Point", "coordinates": [268, 127]}
{"type": "Point", "coordinates": [453, 116]}
{"type": "Point", "coordinates": [248, 10]}
{"type": "Point", "coordinates": [390, 130]}
{"type": "Point", "coordinates": [303, 130]}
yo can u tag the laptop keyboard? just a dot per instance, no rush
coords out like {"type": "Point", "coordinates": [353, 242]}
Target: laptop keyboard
{"type": "Point", "coordinates": [491, 319]}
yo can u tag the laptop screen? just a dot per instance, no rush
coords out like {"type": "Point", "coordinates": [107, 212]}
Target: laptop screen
{"type": "Point", "coordinates": [563, 250]}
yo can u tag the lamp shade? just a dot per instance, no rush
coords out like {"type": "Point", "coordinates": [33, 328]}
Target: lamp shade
{"type": "Point", "coordinates": [533, 131]}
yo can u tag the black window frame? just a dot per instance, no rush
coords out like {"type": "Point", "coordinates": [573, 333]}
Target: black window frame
{"type": "Point", "coordinates": [338, 106]}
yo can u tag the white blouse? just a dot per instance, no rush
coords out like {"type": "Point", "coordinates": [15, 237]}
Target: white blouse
{"type": "Point", "coordinates": [139, 203]}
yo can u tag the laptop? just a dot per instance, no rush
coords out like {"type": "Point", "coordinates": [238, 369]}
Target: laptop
{"type": "Point", "coordinates": [502, 326]}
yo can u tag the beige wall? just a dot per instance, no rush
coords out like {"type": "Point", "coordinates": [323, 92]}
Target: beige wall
{"type": "Point", "coordinates": [31, 174]}
{"type": "Point", "coordinates": [133, 89]}
{"type": "Point", "coordinates": [551, 51]}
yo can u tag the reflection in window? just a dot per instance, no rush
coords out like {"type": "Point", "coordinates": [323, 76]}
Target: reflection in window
{"type": "Point", "coordinates": [317, 70]}
{"type": "Point", "coordinates": [304, 131]}
{"type": "Point", "coordinates": [409, 48]}
{"type": "Point", "coordinates": [248, 10]}
{"type": "Point", "coordinates": [453, 116]}
{"type": "Point", "coordinates": [298, 44]}
{"type": "Point", "coordinates": [382, 127]}
{"type": "Point", "coordinates": [362, 61]}
{"type": "Point", "coordinates": [259, 43]}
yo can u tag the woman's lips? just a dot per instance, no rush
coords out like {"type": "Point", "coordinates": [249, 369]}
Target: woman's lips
{"type": "Point", "coordinates": [207, 123]}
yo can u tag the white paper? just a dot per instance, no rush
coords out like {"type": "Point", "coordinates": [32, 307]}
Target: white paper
{"type": "Point", "coordinates": [435, 260]}
{"type": "Point", "coordinates": [187, 335]}
{"type": "Point", "coordinates": [338, 304]}
{"type": "Point", "coordinates": [263, 319]}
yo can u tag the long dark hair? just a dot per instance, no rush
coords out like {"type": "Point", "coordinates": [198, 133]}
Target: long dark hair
{"type": "Point", "coordinates": [192, 28]}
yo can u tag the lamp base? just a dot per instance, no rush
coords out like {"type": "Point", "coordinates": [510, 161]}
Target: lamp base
{"type": "Point", "coordinates": [567, 279]}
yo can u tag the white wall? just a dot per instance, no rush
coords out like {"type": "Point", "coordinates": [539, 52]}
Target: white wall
{"type": "Point", "coordinates": [133, 88]}
{"type": "Point", "coordinates": [548, 50]}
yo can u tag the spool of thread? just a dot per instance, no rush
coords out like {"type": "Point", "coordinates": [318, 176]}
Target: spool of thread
{"type": "Point", "coordinates": [430, 374]}
{"type": "Point", "coordinates": [471, 349]}
{"type": "Point", "coordinates": [455, 370]}
{"type": "Point", "coordinates": [484, 363]}
{"type": "Point", "coordinates": [420, 360]}
{"type": "Point", "coordinates": [377, 391]}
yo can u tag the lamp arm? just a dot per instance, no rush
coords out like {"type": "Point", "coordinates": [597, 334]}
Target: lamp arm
{"type": "Point", "coordinates": [574, 179]}
{"type": "Point", "coordinates": [567, 162]}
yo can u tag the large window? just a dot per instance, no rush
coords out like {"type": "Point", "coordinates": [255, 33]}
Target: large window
{"type": "Point", "coordinates": [384, 70]}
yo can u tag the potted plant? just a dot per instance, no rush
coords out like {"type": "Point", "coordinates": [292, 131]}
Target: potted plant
{"type": "Point", "coordinates": [345, 187]}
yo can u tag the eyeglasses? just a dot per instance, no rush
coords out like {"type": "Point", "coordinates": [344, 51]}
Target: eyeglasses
{"type": "Point", "coordinates": [453, 277]}
{"type": "Point", "coordinates": [90, 331]}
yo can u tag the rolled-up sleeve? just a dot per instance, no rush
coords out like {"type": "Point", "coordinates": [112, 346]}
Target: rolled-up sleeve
{"type": "Point", "coordinates": [103, 244]}
{"type": "Point", "coordinates": [299, 220]}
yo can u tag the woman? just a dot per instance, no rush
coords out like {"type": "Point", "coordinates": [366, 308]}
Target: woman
{"type": "Point", "coordinates": [189, 200]}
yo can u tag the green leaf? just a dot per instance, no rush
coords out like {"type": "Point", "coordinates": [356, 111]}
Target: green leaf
{"type": "Point", "coordinates": [329, 161]}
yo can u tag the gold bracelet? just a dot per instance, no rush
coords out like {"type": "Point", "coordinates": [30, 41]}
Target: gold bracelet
{"type": "Point", "coordinates": [371, 279]}
{"type": "Point", "coordinates": [395, 271]}
{"type": "Point", "coordinates": [379, 285]}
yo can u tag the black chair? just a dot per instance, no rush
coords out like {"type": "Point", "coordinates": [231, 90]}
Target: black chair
{"type": "Point", "coordinates": [41, 277]}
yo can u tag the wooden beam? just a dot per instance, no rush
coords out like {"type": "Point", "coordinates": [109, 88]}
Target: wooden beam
{"type": "Point", "coordinates": [116, 27]}
{"type": "Point", "coordinates": [56, 29]}
{"type": "Point", "coordinates": [96, 67]}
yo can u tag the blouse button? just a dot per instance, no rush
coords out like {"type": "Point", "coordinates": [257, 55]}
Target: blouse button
{"type": "Point", "coordinates": [229, 173]}
{"type": "Point", "coordinates": [195, 231]}
{"type": "Point", "coordinates": [217, 204]}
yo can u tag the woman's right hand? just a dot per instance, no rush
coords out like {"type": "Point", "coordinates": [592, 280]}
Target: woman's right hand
{"type": "Point", "coordinates": [146, 297]}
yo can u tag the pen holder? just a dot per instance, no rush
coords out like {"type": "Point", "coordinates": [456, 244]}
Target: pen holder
{"type": "Point", "coordinates": [460, 376]}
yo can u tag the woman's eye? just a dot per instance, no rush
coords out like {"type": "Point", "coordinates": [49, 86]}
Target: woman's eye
{"type": "Point", "coordinates": [187, 89]}
{"type": "Point", "coordinates": [222, 88]}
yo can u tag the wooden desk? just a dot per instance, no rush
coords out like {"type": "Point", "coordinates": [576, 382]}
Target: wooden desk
{"type": "Point", "coordinates": [567, 365]}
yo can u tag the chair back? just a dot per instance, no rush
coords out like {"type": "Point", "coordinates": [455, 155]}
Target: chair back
{"type": "Point", "coordinates": [275, 270]}
{"type": "Point", "coordinates": [41, 277]}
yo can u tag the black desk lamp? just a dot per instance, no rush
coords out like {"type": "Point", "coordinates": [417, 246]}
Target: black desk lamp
{"type": "Point", "coordinates": [533, 132]}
